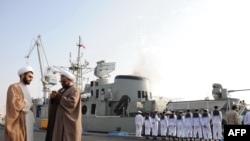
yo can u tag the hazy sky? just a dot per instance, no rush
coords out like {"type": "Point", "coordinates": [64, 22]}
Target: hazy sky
{"type": "Point", "coordinates": [182, 46]}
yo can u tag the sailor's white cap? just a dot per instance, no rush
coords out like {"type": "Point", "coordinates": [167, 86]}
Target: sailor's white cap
{"type": "Point", "coordinates": [68, 74]}
{"type": "Point", "coordinates": [139, 112]}
{"type": "Point", "coordinates": [24, 70]}
{"type": "Point", "coordinates": [205, 110]}
{"type": "Point", "coordinates": [168, 112]}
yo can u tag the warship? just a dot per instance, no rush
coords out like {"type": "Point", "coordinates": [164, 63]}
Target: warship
{"type": "Point", "coordinates": [221, 98]}
{"type": "Point", "coordinates": [106, 106]}
{"type": "Point", "coordinates": [112, 106]}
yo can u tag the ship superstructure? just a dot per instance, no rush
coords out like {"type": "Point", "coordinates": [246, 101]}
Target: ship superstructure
{"type": "Point", "coordinates": [221, 99]}
{"type": "Point", "coordinates": [108, 106]}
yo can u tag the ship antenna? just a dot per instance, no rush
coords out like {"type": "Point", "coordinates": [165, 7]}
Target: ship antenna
{"type": "Point", "coordinates": [77, 68]}
{"type": "Point", "coordinates": [79, 46]}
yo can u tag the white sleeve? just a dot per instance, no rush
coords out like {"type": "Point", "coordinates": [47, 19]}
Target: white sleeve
{"type": "Point", "coordinates": [27, 106]}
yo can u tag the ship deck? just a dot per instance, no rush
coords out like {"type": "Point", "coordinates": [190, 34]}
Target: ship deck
{"type": "Point", "coordinates": [39, 135]}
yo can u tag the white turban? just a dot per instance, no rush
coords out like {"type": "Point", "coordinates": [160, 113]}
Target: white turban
{"type": "Point", "coordinates": [24, 70]}
{"type": "Point", "coordinates": [68, 74]}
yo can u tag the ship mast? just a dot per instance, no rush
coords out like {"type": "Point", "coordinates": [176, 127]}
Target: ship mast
{"type": "Point", "coordinates": [77, 67]}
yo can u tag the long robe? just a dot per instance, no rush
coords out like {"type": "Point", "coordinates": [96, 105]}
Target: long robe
{"type": "Point", "coordinates": [52, 107]}
{"type": "Point", "coordinates": [29, 116]}
{"type": "Point", "coordinates": [67, 119]}
{"type": "Point", "coordinates": [15, 129]}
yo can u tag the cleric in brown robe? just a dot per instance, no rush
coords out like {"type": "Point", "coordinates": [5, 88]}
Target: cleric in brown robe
{"type": "Point", "coordinates": [64, 117]}
{"type": "Point", "coordinates": [17, 108]}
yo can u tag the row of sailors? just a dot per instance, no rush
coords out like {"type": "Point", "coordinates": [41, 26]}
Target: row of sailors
{"type": "Point", "coordinates": [184, 126]}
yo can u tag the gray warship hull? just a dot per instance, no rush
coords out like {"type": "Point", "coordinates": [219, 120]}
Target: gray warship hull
{"type": "Point", "coordinates": [112, 106]}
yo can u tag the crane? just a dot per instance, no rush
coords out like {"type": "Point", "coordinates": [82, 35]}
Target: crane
{"type": "Point", "coordinates": [48, 78]}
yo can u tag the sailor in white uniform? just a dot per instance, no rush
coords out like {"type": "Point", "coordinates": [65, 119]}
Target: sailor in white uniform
{"type": "Point", "coordinates": [207, 133]}
{"type": "Point", "coordinates": [147, 125]}
{"type": "Point", "coordinates": [246, 119]}
{"type": "Point", "coordinates": [172, 125]}
{"type": "Point", "coordinates": [139, 120]}
{"type": "Point", "coordinates": [216, 117]}
{"type": "Point", "coordinates": [180, 124]}
{"type": "Point", "coordinates": [197, 124]}
{"type": "Point", "coordinates": [167, 115]}
{"type": "Point", "coordinates": [188, 124]}
{"type": "Point", "coordinates": [164, 125]}
{"type": "Point", "coordinates": [155, 124]}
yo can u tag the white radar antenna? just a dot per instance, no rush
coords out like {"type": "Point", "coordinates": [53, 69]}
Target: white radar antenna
{"type": "Point", "coordinates": [103, 69]}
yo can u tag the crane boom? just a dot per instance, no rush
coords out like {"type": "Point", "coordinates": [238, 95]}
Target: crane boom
{"type": "Point", "coordinates": [46, 78]}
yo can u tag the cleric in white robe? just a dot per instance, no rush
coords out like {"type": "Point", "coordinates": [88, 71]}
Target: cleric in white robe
{"type": "Point", "coordinates": [19, 109]}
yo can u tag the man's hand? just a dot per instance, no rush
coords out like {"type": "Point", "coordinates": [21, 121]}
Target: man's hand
{"type": "Point", "coordinates": [53, 94]}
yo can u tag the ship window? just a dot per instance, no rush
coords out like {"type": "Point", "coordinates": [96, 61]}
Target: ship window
{"type": "Point", "coordinates": [96, 83]}
{"type": "Point", "coordinates": [97, 93]}
{"type": "Point", "coordinates": [92, 93]}
{"type": "Point", "coordinates": [220, 95]}
{"type": "Point", "coordinates": [93, 106]}
{"type": "Point", "coordinates": [139, 94]}
{"type": "Point", "coordinates": [103, 91]}
{"type": "Point", "coordinates": [84, 109]}
{"type": "Point", "coordinates": [146, 96]}
{"type": "Point", "coordinates": [92, 83]}
{"type": "Point", "coordinates": [142, 94]}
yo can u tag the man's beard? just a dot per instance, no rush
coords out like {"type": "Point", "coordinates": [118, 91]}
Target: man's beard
{"type": "Point", "coordinates": [65, 86]}
{"type": "Point", "coordinates": [25, 81]}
